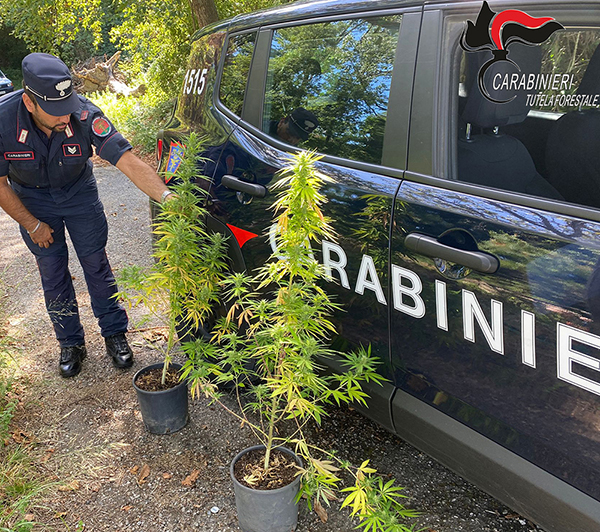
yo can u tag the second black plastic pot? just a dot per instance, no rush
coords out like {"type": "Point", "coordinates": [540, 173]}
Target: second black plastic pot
{"type": "Point", "coordinates": [165, 411]}
{"type": "Point", "coordinates": [266, 510]}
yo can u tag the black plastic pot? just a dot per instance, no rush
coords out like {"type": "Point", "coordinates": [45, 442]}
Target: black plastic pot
{"type": "Point", "coordinates": [266, 510]}
{"type": "Point", "coordinates": [165, 411]}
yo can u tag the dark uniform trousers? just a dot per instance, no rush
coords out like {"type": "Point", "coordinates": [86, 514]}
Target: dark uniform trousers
{"type": "Point", "coordinates": [53, 178]}
{"type": "Point", "coordinates": [83, 216]}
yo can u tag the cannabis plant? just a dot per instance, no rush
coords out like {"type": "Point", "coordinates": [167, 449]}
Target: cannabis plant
{"type": "Point", "coordinates": [182, 286]}
{"type": "Point", "coordinates": [278, 322]}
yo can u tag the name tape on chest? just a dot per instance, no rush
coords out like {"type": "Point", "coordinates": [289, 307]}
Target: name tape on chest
{"type": "Point", "coordinates": [19, 155]}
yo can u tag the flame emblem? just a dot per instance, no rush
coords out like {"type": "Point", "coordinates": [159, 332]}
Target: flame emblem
{"type": "Point", "coordinates": [62, 86]}
{"type": "Point", "coordinates": [497, 31]}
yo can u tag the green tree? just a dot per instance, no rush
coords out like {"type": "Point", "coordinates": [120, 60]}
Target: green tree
{"type": "Point", "coordinates": [46, 25]}
{"type": "Point", "coordinates": [230, 8]}
{"type": "Point", "coordinates": [156, 36]}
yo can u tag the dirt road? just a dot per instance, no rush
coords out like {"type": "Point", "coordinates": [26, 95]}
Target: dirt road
{"type": "Point", "coordinates": [87, 434]}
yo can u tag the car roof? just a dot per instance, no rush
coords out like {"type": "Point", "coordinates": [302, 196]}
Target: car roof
{"type": "Point", "coordinates": [303, 9]}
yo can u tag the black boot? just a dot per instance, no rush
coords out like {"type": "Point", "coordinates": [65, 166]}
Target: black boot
{"type": "Point", "coordinates": [119, 350]}
{"type": "Point", "coordinates": [70, 360]}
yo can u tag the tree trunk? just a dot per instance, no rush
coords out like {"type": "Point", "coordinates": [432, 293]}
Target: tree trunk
{"type": "Point", "coordinates": [204, 12]}
{"type": "Point", "coordinates": [97, 75]}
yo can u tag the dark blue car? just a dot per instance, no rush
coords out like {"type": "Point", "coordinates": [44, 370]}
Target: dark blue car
{"type": "Point", "coordinates": [462, 142]}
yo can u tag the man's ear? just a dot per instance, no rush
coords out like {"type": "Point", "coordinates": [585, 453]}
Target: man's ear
{"type": "Point", "coordinates": [28, 103]}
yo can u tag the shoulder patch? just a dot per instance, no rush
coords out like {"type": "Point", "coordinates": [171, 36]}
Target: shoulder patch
{"type": "Point", "coordinates": [84, 115]}
{"type": "Point", "coordinates": [101, 126]}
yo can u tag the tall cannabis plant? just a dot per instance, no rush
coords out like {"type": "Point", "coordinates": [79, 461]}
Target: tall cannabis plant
{"type": "Point", "coordinates": [182, 287]}
{"type": "Point", "coordinates": [270, 345]}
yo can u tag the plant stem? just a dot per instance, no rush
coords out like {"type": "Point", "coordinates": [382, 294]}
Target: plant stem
{"type": "Point", "coordinates": [170, 341]}
{"type": "Point", "coordinates": [270, 434]}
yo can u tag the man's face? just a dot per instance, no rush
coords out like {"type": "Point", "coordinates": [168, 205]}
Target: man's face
{"type": "Point", "coordinates": [45, 121]}
{"type": "Point", "coordinates": [284, 132]}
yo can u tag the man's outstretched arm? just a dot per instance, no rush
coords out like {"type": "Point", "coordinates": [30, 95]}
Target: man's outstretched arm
{"type": "Point", "coordinates": [142, 175]}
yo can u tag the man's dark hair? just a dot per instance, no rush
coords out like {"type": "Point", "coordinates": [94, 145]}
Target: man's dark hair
{"type": "Point", "coordinates": [30, 94]}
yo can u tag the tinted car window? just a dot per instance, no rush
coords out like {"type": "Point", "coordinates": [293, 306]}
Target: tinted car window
{"type": "Point", "coordinates": [540, 136]}
{"type": "Point", "coordinates": [341, 73]}
{"type": "Point", "coordinates": [235, 71]}
{"type": "Point", "coordinates": [199, 80]}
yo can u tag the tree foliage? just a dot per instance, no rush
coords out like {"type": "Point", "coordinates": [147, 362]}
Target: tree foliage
{"type": "Point", "coordinates": [230, 8]}
{"type": "Point", "coordinates": [155, 34]}
{"type": "Point", "coordinates": [46, 25]}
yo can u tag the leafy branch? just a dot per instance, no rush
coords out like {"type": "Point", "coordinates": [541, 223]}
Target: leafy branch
{"type": "Point", "coordinates": [279, 322]}
{"type": "Point", "coordinates": [182, 287]}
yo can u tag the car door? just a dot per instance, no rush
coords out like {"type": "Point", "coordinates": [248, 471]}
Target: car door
{"type": "Point", "coordinates": [352, 76]}
{"type": "Point", "coordinates": [494, 257]}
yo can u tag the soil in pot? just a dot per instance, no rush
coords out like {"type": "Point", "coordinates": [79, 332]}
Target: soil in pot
{"type": "Point", "coordinates": [248, 470]}
{"type": "Point", "coordinates": [151, 381]}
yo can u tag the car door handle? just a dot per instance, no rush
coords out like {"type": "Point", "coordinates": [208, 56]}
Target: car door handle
{"type": "Point", "coordinates": [475, 260]}
{"type": "Point", "coordinates": [253, 189]}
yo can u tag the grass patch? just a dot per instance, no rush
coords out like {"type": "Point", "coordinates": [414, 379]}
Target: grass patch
{"type": "Point", "coordinates": [21, 484]}
{"type": "Point", "coordinates": [20, 490]}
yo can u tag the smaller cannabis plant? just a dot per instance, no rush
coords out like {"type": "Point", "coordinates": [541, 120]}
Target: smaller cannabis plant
{"type": "Point", "coordinates": [183, 285]}
{"type": "Point", "coordinates": [278, 323]}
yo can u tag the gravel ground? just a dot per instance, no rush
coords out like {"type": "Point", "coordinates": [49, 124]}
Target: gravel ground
{"type": "Point", "coordinates": [86, 433]}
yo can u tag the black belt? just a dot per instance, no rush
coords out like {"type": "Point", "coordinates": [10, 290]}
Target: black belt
{"type": "Point", "coordinates": [25, 185]}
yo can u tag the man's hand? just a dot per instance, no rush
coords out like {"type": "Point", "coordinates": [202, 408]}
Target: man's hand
{"type": "Point", "coordinates": [11, 204]}
{"type": "Point", "coordinates": [42, 236]}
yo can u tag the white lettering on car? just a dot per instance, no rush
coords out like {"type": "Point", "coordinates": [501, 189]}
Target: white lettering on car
{"type": "Point", "coordinates": [493, 333]}
{"type": "Point", "coordinates": [566, 355]}
{"type": "Point", "coordinates": [528, 338]}
{"type": "Point", "coordinates": [339, 265]}
{"type": "Point", "coordinates": [441, 305]}
{"type": "Point", "coordinates": [368, 278]}
{"type": "Point", "coordinates": [195, 81]}
{"type": "Point", "coordinates": [399, 290]}
{"type": "Point", "coordinates": [407, 287]}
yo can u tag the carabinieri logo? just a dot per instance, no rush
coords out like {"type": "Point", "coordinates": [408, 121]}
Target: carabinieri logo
{"type": "Point", "coordinates": [497, 31]}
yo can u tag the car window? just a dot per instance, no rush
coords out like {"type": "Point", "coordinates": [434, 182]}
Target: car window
{"type": "Point", "coordinates": [530, 123]}
{"type": "Point", "coordinates": [235, 71]}
{"type": "Point", "coordinates": [328, 86]}
{"type": "Point", "coordinates": [199, 80]}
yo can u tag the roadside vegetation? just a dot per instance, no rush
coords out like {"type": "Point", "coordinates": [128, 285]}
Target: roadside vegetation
{"type": "Point", "coordinates": [21, 484]}
{"type": "Point", "coordinates": [153, 36]}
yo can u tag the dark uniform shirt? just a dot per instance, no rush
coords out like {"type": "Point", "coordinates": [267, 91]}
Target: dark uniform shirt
{"type": "Point", "coordinates": [62, 163]}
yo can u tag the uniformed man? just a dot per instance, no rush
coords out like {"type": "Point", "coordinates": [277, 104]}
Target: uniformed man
{"type": "Point", "coordinates": [46, 184]}
{"type": "Point", "coordinates": [295, 127]}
